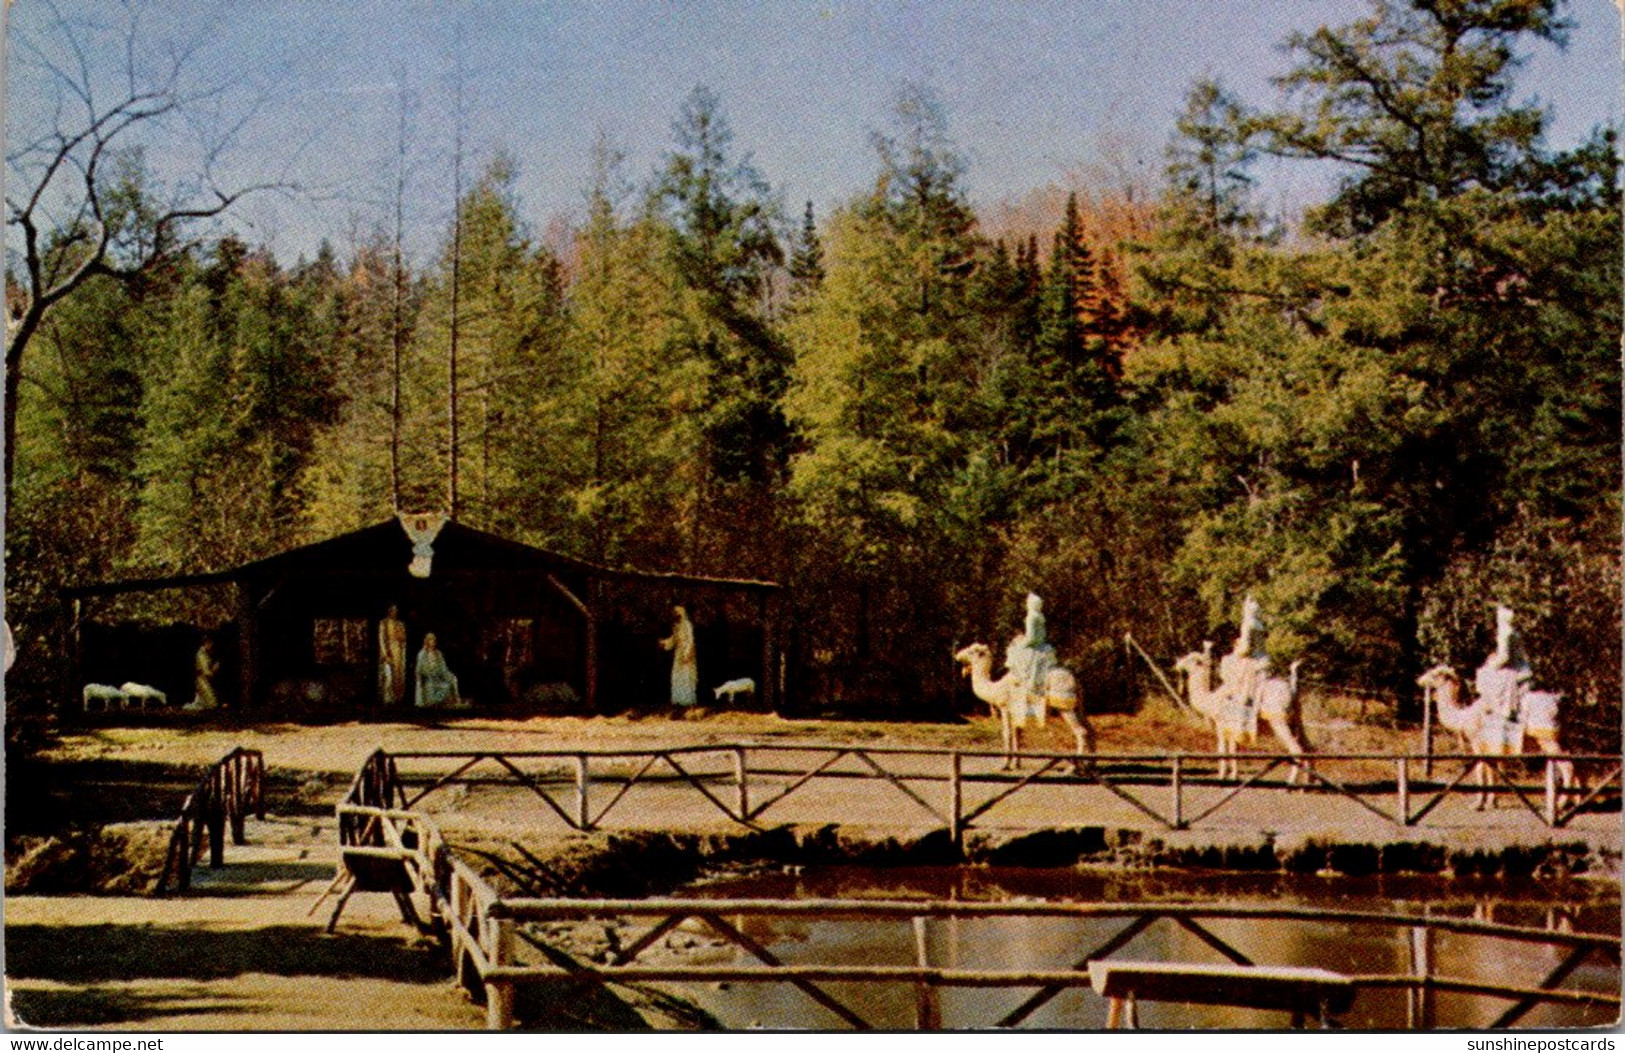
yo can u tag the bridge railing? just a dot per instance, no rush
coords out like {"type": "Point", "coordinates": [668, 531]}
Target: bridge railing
{"type": "Point", "coordinates": [229, 791]}
{"type": "Point", "coordinates": [958, 788]}
{"type": "Point", "coordinates": [500, 943]}
{"type": "Point", "coordinates": [727, 920]}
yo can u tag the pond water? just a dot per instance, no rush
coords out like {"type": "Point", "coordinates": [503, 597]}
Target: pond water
{"type": "Point", "coordinates": [1057, 943]}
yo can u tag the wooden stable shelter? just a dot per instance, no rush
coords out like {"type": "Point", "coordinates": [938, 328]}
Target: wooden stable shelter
{"type": "Point", "coordinates": [520, 626]}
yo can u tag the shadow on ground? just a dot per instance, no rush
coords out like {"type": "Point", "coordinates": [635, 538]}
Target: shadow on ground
{"type": "Point", "coordinates": [89, 954]}
{"type": "Point", "coordinates": [96, 1006]}
{"type": "Point", "coordinates": [245, 879]}
{"type": "Point", "coordinates": [93, 792]}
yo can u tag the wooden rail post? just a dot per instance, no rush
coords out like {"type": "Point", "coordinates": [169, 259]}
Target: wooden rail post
{"type": "Point", "coordinates": [1551, 793]}
{"type": "Point", "coordinates": [956, 798]}
{"type": "Point", "coordinates": [1402, 785]}
{"type": "Point", "coordinates": [499, 993]}
{"type": "Point", "coordinates": [216, 813]}
{"type": "Point", "coordinates": [927, 1003]}
{"type": "Point", "coordinates": [183, 854]}
{"type": "Point", "coordinates": [1419, 1003]}
{"type": "Point", "coordinates": [454, 927]}
{"type": "Point", "coordinates": [239, 798]}
{"type": "Point", "coordinates": [1427, 732]}
{"type": "Point", "coordinates": [583, 816]}
{"type": "Point", "coordinates": [1179, 791]}
{"type": "Point", "coordinates": [740, 774]}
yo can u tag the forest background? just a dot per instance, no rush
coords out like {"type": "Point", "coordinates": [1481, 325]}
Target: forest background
{"type": "Point", "coordinates": [1381, 417]}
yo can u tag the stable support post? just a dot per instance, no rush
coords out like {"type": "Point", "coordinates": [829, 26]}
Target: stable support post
{"type": "Point", "coordinates": [1178, 780]}
{"type": "Point", "coordinates": [248, 620]}
{"type": "Point", "coordinates": [74, 667]}
{"type": "Point", "coordinates": [956, 798]}
{"type": "Point", "coordinates": [741, 784]}
{"type": "Point", "coordinates": [583, 816]}
{"type": "Point", "coordinates": [1402, 785]}
{"type": "Point", "coordinates": [766, 697]}
{"type": "Point", "coordinates": [499, 993]}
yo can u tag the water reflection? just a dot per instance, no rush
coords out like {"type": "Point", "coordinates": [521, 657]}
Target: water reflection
{"type": "Point", "coordinates": [1046, 943]}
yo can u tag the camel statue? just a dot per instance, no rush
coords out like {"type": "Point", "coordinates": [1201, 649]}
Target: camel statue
{"type": "Point", "coordinates": [1235, 715]}
{"type": "Point", "coordinates": [1059, 693]}
{"type": "Point", "coordinates": [1488, 733]}
{"type": "Point", "coordinates": [1541, 724]}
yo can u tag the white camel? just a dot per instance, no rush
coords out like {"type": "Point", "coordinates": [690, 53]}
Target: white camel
{"type": "Point", "coordinates": [1235, 714]}
{"type": "Point", "coordinates": [1541, 724]}
{"type": "Point", "coordinates": [1060, 694]}
{"type": "Point", "coordinates": [1487, 733]}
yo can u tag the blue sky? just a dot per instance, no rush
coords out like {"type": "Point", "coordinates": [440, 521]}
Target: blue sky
{"type": "Point", "coordinates": [1035, 91]}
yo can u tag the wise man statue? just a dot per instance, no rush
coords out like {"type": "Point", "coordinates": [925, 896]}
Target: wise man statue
{"type": "Point", "coordinates": [1248, 662]}
{"type": "Point", "coordinates": [1505, 674]}
{"type": "Point", "coordinates": [1030, 658]}
{"type": "Point", "coordinates": [392, 658]}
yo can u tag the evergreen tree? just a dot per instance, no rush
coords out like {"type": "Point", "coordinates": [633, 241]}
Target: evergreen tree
{"type": "Point", "coordinates": [631, 421]}
{"type": "Point", "coordinates": [1415, 101]}
{"type": "Point", "coordinates": [723, 222]}
{"type": "Point", "coordinates": [1353, 419]}
{"type": "Point", "coordinates": [806, 259]}
{"type": "Point", "coordinates": [891, 478]}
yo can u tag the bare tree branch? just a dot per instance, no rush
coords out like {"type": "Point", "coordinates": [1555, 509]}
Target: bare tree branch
{"type": "Point", "coordinates": [70, 177]}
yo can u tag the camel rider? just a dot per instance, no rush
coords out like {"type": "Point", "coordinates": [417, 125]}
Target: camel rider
{"type": "Point", "coordinates": [1248, 663]}
{"type": "Point", "coordinates": [1030, 659]}
{"type": "Point", "coordinates": [1502, 680]}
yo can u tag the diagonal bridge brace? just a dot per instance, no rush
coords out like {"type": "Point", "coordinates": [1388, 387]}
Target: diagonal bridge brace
{"type": "Point", "coordinates": [1438, 798]}
{"type": "Point", "coordinates": [444, 780]}
{"type": "Point", "coordinates": [1235, 791]}
{"type": "Point", "coordinates": [1572, 809]}
{"type": "Point", "coordinates": [802, 780]}
{"type": "Point", "coordinates": [535, 787]}
{"type": "Point", "coordinates": [898, 782]}
{"type": "Point", "coordinates": [1515, 1012]}
{"type": "Point", "coordinates": [694, 781]}
{"type": "Point", "coordinates": [767, 957]}
{"type": "Point", "coordinates": [637, 776]}
{"type": "Point", "coordinates": [985, 806]}
{"type": "Point", "coordinates": [1046, 993]}
{"type": "Point", "coordinates": [1352, 795]}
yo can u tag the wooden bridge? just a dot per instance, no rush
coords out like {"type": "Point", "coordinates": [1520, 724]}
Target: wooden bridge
{"type": "Point", "coordinates": [389, 845]}
{"type": "Point", "coordinates": [959, 788]}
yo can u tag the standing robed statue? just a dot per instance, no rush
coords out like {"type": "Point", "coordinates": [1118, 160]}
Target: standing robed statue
{"type": "Point", "coordinates": [392, 658]}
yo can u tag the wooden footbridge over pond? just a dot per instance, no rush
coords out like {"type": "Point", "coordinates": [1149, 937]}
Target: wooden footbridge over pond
{"type": "Point", "coordinates": [1079, 964]}
{"type": "Point", "coordinates": [392, 843]}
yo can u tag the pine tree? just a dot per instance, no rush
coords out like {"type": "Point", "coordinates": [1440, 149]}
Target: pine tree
{"type": "Point", "coordinates": [806, 259]}
{"type": "Point", "coordinates": [631, 419]}
{"type": "Point", "coordinates": [723, 220]}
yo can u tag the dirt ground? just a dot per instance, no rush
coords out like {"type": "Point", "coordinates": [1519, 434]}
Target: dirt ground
{"type": "Point", "coordinates": [341, 747]}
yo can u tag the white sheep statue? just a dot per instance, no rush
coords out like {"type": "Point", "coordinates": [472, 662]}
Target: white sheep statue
{"type": "Point", "coordinates": [109, 696]}
{"type": "Point", "coordinates": [733, 690]}
{"type": "Point", "coordinates": [143, 695]}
